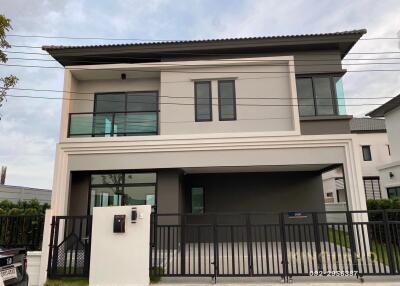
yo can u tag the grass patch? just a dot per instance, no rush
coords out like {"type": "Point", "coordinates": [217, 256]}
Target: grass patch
{"type": "Point", "coordinates": [67, 282]}
{"type": "Point", "coordinates": [339, 237]}
{"type": "Point", "coordinates": [379, 251]}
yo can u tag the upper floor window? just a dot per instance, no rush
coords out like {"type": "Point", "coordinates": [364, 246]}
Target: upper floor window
{"type": "Point", "coordinates": [203, 101]}
{"type": "Point", "coordinates": [317, 95]}
{"type": "Point", "coordinates": [372, 188]}
{"type": "Point", "coordinates": [393, 192]}
{"type": "Point", "coordinates": [226, 100]}
{"type": "Point", "coordinates": [118, 114]}
{"type": "Point", "coordinates": [366, 151]}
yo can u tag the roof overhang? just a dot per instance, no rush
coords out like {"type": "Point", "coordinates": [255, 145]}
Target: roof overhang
{"type": "Point", "coordinates": [385, 108]}
{"type": "Point", "coordinates": [161, 51]}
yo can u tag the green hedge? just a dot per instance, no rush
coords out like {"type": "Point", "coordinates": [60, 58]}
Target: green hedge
{"type": "Point", "coordinates": [384, 204]}
{"type": "Point", "coordinates": [32, 207]}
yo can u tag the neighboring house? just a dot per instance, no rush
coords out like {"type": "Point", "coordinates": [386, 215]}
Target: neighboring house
{"type": "Point", "coordinates": [390, 172]}
{"type": "Point", "coordinates": [205, 126]}
{"type": "Point", "coordinates": [17, 193]}
{"type": "Point", "coordinates": [373, 148]}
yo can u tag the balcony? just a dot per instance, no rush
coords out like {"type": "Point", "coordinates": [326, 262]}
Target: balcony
{"type": "Point", "coordinates": [112, 124]}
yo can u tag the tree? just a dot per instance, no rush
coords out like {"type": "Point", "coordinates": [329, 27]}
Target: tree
{"type": "Point", "coordinates": [10, 81]}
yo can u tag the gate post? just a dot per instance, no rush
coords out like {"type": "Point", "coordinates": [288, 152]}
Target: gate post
{"type": "Point", "coordinates": [389, 246]}
{"type": "Point", "coordinates": [285, 264]}
{"type": "Point", "coordinates": [353, 249]}
{"type": "Point", "coordinates": [317, 240]}
{"type": "Point", "coordinates": [55, 245]}
{"type": "Point", "coordinates": [51, 245]}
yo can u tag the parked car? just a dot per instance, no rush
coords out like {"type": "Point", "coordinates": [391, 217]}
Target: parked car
{"type": "Point", "coordinates": [13, 266]}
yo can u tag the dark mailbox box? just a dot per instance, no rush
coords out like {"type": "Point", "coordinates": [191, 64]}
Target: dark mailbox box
{"type": "Point", "coordinates": [119, 223]}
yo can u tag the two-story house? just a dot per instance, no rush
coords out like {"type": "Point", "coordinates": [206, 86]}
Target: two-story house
{"type": "Point", "coordinates": [204, 129]}
{"type": "Point", "coordinates": [225, 125]}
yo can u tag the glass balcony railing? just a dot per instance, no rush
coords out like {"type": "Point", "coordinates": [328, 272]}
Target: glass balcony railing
{"type": "Point", "coordinates": [106, 124]}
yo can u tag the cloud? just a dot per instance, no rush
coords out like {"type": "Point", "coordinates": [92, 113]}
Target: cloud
{"type": "Point", "coordinates": [29, 128]}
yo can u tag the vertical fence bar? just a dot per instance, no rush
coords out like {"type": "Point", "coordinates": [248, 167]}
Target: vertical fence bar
{"type": "Point", "coordinates": [285, 265]}
{"type": "Point", "coordinates": [317, 241]}
{"type": "Point", "coordinates": [249, 245]}
{"type": "Point", "coordinates": [389, 246]}
{"type": "Point", "coordinates": [183, 242]}
{"type": "Point", "coordinates": [350, 229]}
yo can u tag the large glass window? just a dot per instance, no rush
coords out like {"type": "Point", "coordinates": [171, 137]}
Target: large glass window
{"type": "Point", "coordinates": [372, 188]}
{"type": "Point", "coordinates": [117, 189]}
{"type": "Point", "coordinates": [317, 95]}
{"type": "Point", "coordinates": [203, 101]}
{"type": "Point", "coordinates": [118, 114]}
{"type": "Point", "coordinates": [393, 192]}
{"type": "Point", "coordinates": [226, 100]}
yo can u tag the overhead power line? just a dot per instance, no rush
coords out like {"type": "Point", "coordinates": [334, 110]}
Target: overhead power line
{"type": "Point", "coordinates": [277, 38]}
{"type": "Point", "coordinates": [192, 72]}
{"type": "Point", "coordinates": [320, 62]}
{"type": "Point", "coordinates": [188, 104]}
{"type": "Point", "coordinates": [178, 97]}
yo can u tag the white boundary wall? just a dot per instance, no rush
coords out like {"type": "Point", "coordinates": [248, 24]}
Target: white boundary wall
{"type": "Point", "coordinates": [120, 258]}
{"type": "Point", "coordinates": [33, 269]}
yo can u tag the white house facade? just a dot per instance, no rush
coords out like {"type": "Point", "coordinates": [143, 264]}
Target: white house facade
{"type": "Point", "coordinates": [374, 151]}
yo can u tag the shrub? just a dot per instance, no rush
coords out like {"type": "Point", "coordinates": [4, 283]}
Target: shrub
{"type": "Point", "coordinates": [32, 207]}
{"type": "Point", "coordinates": [383, 204]}
{"type": "Point", "coordinates": [15, 211]}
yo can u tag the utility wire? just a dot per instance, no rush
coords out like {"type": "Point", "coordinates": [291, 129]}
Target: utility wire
{"type": "Point", "coordinates": [276, 39]}
{"type": "Point", "coordinates": [266, 61]}
{"type": "Point", "coordinates": [192, 72]}
{"type": "Point", "coordinates": [219, 59]}
{"type": "Point", "coordinates": [188, 104]}
{"type": "Point", "coordinates": [180, 97]}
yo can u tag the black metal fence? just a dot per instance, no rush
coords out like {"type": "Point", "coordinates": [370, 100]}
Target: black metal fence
{"type": "Point", "coordinates": [356, 243]}
{"type": "Point", "coordinates": [22, 231]}
{"type": "Point", "coordinates": [70, 240]}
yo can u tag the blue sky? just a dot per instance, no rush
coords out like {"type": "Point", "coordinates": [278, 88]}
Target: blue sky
{"type": "Point", "coordinates": [29, 127]}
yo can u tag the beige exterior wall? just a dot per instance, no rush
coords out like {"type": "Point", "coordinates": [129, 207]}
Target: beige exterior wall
{"type": "Point", "coordinates": [261, 113]}
{"type": "Point", "coordinates": [392, 120]}
{"type": "Point", "coordinates": [380, 155]}
{"type": "Point", "coordinates": [269, 82]}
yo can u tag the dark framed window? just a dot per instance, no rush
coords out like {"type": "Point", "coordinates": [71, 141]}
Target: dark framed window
{"type": "Point", "coordinates": [125, 113]}
{"type": "Point", "coordinates": [393, 192]}
{"type": "Point", "coordinates": [197, 196]}
{"type": "Point", "coordinates": [340, 190]}
{"type": "Point", "coordinates": [122, 189]}
{"type": "Point", "coordinates": [226, 100]}
{"type": "Point", "coordinates": [317, 95]}
{"type": "Point", "coordinates": [366, 151]}
{"type": "Point", "coordinates": [203, 101]}
{"type": "Point", "coordinates": [372, 188]}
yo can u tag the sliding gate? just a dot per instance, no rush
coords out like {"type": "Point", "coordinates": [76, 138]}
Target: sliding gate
{"type": "Point", "coordinates": [276, 244]}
